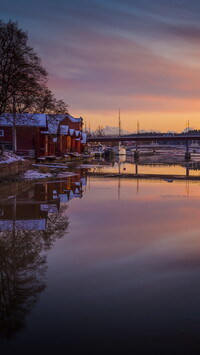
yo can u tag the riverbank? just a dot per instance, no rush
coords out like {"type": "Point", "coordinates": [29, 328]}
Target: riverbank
{"type": "Point", "coordinates": [12, 165]}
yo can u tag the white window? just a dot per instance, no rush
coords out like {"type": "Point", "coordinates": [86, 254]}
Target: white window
{"type": "Point", "coordinates": [1, 133]}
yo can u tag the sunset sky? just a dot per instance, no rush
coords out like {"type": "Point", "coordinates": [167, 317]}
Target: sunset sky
{"type": "Point", "coordinates": [142, 56]}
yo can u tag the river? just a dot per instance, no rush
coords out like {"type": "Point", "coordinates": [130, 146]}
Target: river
{"type": "Point", "coordinates": [101, 265]}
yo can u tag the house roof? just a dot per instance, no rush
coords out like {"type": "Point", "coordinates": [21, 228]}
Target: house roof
{"type": "Point", "coordinates": [71, 131]}
{"type": "Point", "coordinates": [50, 121]}
{"type": "Point", "coordinates": [24, 119]}
{"type": "Point", "coordinates": [64, 130]}
{"type": "Point", "coordinates": [73, 119]}
{"type": "Point", "coordinates": [53, 122]}
{"type": "Point", "coordinates": [77, 133]}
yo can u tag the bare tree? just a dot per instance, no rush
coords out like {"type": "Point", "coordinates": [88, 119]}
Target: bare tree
{"type": "Point", "coordinates": [21, 74]}
{"type": "Point", "coordinates": [47, 103]}
{"type": "Point", "coordinates": [99, 132]}
{"type": "Point", "coordinates": [23, 80]}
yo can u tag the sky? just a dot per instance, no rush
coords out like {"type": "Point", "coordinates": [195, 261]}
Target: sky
{"type": "Point", "coordinates": [142, 56]}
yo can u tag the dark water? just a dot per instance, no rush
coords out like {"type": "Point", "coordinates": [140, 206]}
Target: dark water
{"type": "Point", "coordinates": [103, 266]}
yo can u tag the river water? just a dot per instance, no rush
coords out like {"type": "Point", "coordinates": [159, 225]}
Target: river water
{"type": "Point", "coordinates": [100, 266]}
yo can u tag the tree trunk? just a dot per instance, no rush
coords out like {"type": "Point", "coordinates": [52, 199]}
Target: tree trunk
{"type": "Point", "coordinates": [14, 139]}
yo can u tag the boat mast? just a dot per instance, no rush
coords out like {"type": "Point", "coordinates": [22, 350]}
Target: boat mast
{"type": "Point", "coordinates": [119, 128]}
{"type": "Point", "coordinates": [119, 124]}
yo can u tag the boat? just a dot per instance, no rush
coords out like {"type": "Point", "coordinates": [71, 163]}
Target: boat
{"type": "Point", "coordinates": [120, 150]}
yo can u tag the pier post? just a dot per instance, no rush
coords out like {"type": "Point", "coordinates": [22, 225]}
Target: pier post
{"type": "Point", "coordinates": [136, 152]}
{"type": "Point", "coordinates": [187, 153]}
{"type": "Point", "coordinates": [187, 170]}
{"type": "Point", "coordinates": [2, 149]}
{"type": "Point", "coordinates": [136, 168]}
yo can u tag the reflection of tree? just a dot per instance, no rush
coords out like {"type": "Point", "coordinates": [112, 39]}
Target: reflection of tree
{"type": "Point", "coordinates": [56, 226]}
{"type": "Point", "coordinates": [22, 270]}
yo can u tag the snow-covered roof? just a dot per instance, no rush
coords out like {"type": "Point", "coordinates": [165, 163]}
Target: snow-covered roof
{"type": "Point", "coordinates": [24, 119]}
{"type": "Point", "coordinates": [53, 123]}
{"type": "Point", "coordinates": [74, 120]}
{"type": "Point", "coordinates": [84, 138]}
{"type": "Point", "coordinates": [37, 120]}
{"type": "Point", "coordinates": [77, 133]}
{"type": "Point", "coordinates": [71, 131]}
{"type": "Point", "coordinates": [64, 130]}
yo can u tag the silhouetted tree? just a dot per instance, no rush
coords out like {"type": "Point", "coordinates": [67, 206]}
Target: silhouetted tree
{"type": "Point", "coordinates": [47, 103]}
{"type": "Point", "coordinates": [21, 73]}
{"type": "Point", "coordinates": [22, 79]}
{"type": "Point", "coordinates": [99, 132]}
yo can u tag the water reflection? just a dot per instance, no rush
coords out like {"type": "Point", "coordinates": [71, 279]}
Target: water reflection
{"type": "Point", "coordinates": [126, 165]}
{"type": "Point", "coordinates": [29, 225]}
{"type": "Point", "coordinates": [127, 279]}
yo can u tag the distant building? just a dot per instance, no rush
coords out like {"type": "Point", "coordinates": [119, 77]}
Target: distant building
{"type": "Point", "coordinates": [40, 135]}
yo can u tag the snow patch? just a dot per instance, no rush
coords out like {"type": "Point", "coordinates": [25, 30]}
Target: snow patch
{"type": "Point", "coordinates": [9, 157]}
{"type": "Point", "coordinates": [65, 174]}
{"type": "Point", "coordinates": [32, 174]}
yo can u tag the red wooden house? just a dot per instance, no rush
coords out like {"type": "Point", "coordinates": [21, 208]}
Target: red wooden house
{"type": "Point", "coordinates": [43, 135]}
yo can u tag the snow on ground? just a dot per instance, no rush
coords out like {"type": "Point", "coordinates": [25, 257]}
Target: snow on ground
{"type": "Point", "coordinates": [33, 174]}
{"type": "Point", "coordinates": [9, 157]}
{"type": "Point", "coordinates": [65, 174]}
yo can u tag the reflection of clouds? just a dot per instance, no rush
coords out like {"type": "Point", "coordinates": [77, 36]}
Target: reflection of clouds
{"type": "Point", "coordinates": [178, 196]}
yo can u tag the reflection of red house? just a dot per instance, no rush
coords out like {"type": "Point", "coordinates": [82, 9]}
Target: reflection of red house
{"type": "Point", "coordinates": [43, 135]}
{"type": "Point", "coordinates": [30, 210]}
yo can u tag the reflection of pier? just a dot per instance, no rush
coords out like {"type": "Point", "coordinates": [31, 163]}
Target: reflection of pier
{"type": "Point", "coordinates": [137, 175]}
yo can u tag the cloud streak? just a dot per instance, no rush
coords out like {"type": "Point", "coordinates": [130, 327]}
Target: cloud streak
{"type": "Point", "coordinates": [143, 55]}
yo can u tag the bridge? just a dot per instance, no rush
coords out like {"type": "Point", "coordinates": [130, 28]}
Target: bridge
{"type": "Point", "coordinates": [137, 138]}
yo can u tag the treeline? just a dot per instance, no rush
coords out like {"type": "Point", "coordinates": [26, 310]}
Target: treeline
{"type": "Point", "coordinates": [23, 80]}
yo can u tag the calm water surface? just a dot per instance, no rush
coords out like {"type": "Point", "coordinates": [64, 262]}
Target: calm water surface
{"type": "Point", "coordinates": [129, 167]}
{"type": "Point", "coordinates": [101, 266]}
